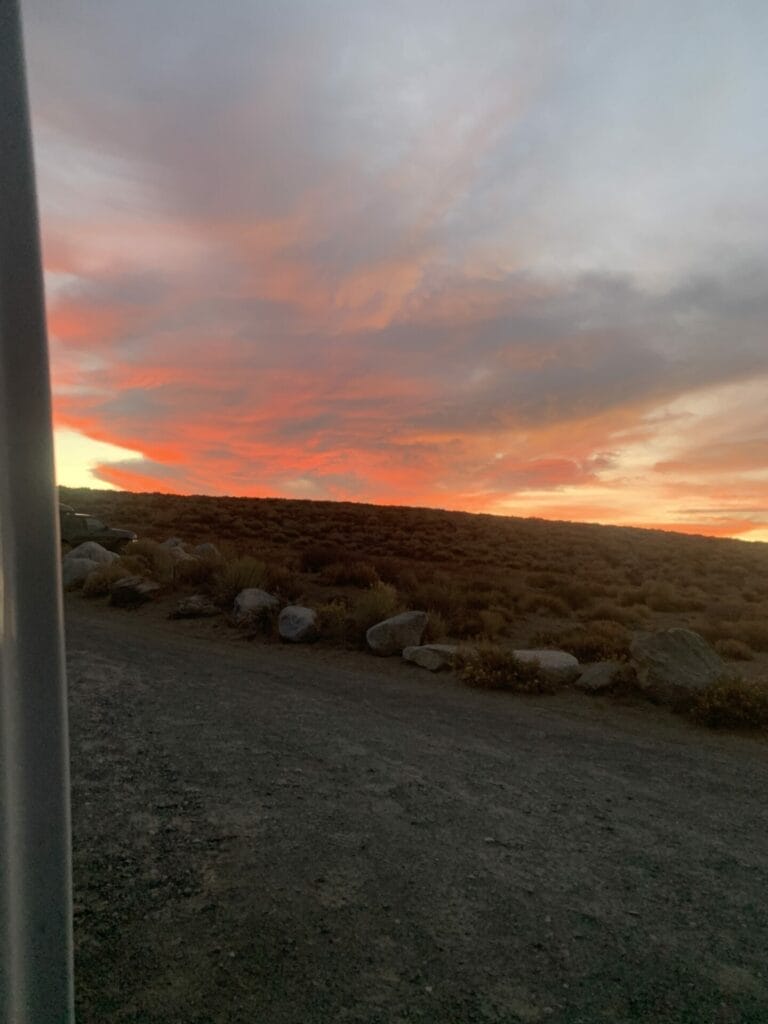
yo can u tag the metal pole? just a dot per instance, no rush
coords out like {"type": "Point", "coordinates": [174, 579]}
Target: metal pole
{"type": "Point", "coordinates": [36, 976]}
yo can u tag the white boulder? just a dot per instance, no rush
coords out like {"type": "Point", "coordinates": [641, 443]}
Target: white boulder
{"type": "Point", "coordinates": [178, 554]}
{"type": "Point", "coordinates": [554, 666]}
{"type": "Point", "coordinates": [297, 624]}
{"type": "Point", "coordinates": [393, 635]}
{"type": "Point", "coordinates": [96, 553]}
{"type": "Point", "coordinates": [252, 601]}
{"type": "Point", "coordinates": [431, 656]}
{"type": "Point", "coordinates": [601, 675]}
{"type": "Point", "coordinates": [673, 662]}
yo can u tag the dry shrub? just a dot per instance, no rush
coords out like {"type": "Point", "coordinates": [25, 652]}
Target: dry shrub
{"type": "Point", "coordinates": [493, 622]}
{"type": "Point", "coordinates": [630, 597]}
{"type": "Point", "coordinates": [548, 604]}
{"type": "Point", "coordinates": [199, 572]}
{"type": "Point", "coordinates": [355, 574]}
{"type": "Point", "coordinates": [333, 621]}
{"type": "Point", "coordinates": [261, 622]}
{"type": "Point", "coordinates": [752, 632]}
{"type": "Point", "coordinates": [380, 602]}
{"type": "Point", "coordinates": [158, 560]}
{"type": "Point", "coordinates": [135, 565]}
{"type": "Point", "coordinates": [490, 667]}
{"type": "Point", "coordinates": [239, 574]}
{"type": "Point", "coordinates": [397, 572]}
{"type": "Point", "coordinates": [607, 611]}
{"type": "Point", "coordinates": [734, 650]}
{"type": "Point", "coordinates": [576, 595]}
{"type": "Point", "coordinates": [465, 625]}
{"type": "Point", "coordinates": [437, 628]}
{"type": "Point", "coordinates": [283, 582]}
{"type": "Point", "coordinates": [439, 595]}
{"type": "Point", "coordinates": [601, 640]}
{"type": "Point", "coordinates": [730, 704]}
{"type": "Point", "coordinates": [98, 582]}
{"type": "Point", "coordinates": [662, 596]}
{"type": "Point", "coordinates": [317, 556]}
{"type": "Point", "coordinates": [543, 580]}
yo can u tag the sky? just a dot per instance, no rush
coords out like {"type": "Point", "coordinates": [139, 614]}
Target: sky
{"type": "Point", "coordinates": [497, 256]}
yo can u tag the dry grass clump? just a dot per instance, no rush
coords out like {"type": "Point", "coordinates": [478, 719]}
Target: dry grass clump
{"type": "Point", "coordinates": [197, 572]}
{"type": "Point", "coordinates": [354, 574]}
{"type": "Point", "coordinates": [541, 603]}
{"type": "Point", "coordinates": [493, 622]}
{"type": "Point", "coordinates": [380, 602]}
{"type": "Point", "coordinates": [490, 667]}
{"type": "Point", "coordinates": [283, 582]}
{"type": "Point", "coordinates": [578, 595]}
{"type": "Point", "coordinates": [751, 632]}
{"type": "Point", "coordinates": [239, 574]}
{"type": "Point", "coordinates": [333, 621]}
{"type": "Point", "coordinates": [734, 650]}
{"type": "Point", "coordinates": [261, 622]}
{"type": "Point", "coordinates": [601, 640]}
{"type": "Point", "coordinates": [437, 628]}
{"type": "Point", "coordinates": [609, 611]}
{"type": "Point", "coordinates": [98, 582]}
{"type": "Point", "coordinates": [664, 596]}
{"type": "Point", "coordinates": [318, 556]}
{"type": "Point", "coordinates": [730, 704]}
{"type": "Point", "coordinates": [157, 560]}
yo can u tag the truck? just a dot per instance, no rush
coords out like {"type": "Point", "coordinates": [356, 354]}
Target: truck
{"type": "Point", "coordinates": [77, 527]}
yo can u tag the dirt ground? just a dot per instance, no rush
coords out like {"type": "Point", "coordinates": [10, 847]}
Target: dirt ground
{"type": "Point", "coordinates": [288, 835]}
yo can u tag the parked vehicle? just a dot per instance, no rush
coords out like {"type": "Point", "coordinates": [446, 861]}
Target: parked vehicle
{"type": "Point", "coordinates": [77, 527]}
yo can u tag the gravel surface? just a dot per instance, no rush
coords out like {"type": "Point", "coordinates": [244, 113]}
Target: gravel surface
{"type": "Point", "coordinates": [291, 835]}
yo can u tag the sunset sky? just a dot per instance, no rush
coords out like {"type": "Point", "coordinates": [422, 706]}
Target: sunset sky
{"type": "Point", "coordinates": [489, 255]}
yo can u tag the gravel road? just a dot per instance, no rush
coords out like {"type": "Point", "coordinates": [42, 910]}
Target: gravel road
{"type": "Point", "coordinates": [296, 836]}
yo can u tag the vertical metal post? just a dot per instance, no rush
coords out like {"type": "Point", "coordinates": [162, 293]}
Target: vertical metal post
{"type": "Point", "coordinates": [36, 977]}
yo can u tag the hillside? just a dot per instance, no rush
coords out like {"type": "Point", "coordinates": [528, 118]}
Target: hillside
{"type": "Point", "coordinates": [479, 575]}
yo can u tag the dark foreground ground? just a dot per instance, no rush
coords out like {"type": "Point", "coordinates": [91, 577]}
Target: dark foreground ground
{"type": "Point", "coordinates": [291, 836]}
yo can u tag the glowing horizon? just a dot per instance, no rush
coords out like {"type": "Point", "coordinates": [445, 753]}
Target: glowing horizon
{"type": "Point", "coordinates": [515, 263]}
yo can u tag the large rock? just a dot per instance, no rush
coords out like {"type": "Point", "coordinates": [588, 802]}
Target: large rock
{"type": "Point", "coordinates": [674, 662]}
{"type": "Point", "coordinates": [75, 570]}
{"type": "Point", "coordinates": [172, 542]}
{"type": "Point", "coordinates": [178, 554]}
{"type": "Point", "coordinates": [431, 656]}
{"type": "Point", "coordinates": [600, 676]}
{"type": "Point", "coordinates": [554, 666]}
{"type": "Point", "coordinates": [253, 601]}
{"type": "Point", "coordinates": [298, 624]}
{"type": "Point", "coordinates": [196, 607]}
{"type": "Point", "coordinates": [96, 553]}
{"type": "Point", "coordinates": [132, 591]}
{"type": "Point", "coordinates": [393, 635]}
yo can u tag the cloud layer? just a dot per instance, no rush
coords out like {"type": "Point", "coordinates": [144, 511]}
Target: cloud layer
{"type": "Point", "coordinates": [510, 263]}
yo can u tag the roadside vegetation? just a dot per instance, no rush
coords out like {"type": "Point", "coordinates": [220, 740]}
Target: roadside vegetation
{"type": "Point", "coordinates": [487, 580]}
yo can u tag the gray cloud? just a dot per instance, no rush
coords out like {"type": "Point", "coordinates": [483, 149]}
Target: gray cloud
{"type": "Point", "coordinates": [391, 222]}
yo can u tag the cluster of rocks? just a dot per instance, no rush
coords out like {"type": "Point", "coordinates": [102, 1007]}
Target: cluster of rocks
{"type": "Point", "coordinates": [81, 561]}
{"type": "Point", "coordinates": [665, 665]}
{"type": "Point", "coordinates": [177, 550]}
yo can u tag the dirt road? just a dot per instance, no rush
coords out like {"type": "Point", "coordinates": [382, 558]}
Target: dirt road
{"type": "Point", "coordinates": [291, 836]}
